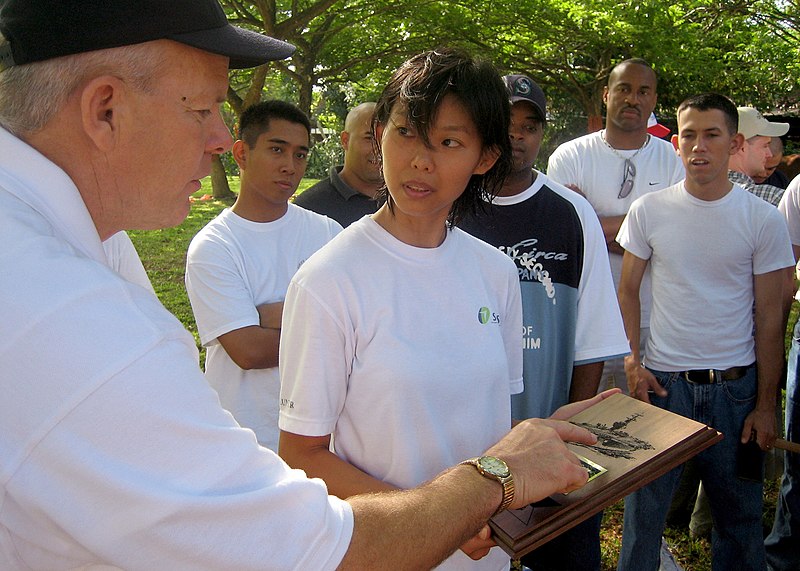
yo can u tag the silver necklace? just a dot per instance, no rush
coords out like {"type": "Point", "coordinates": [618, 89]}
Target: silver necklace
{"type": "Point", "coordinates": [616, 152]}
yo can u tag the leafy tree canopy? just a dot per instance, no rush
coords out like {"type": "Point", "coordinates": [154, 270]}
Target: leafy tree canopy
{"type": "Point", "coordinates": [346, 49]}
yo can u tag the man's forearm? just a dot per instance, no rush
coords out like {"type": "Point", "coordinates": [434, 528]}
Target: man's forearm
{"type": "Point", "coordinates": [419, 528]}
{"type": "Point", "coordinates": [770, 328]}
{"type": "Point", "coordinates": [769, 360]}
{"type": "Point", "coordinates": [270, 314]}
{"type": "Point", "coordinates": [610, 226]}
{"type": "Point", "coordinates": [630, 308]}
{"type": "Point", "coordinates": [788, 295]}
{"type": "Point", "coordinates": [640, 381]}
{"type": "Point", "coordinates": [761, 423]}
{"type": "Point", "coordinates": [585, 380]}
{"type": "Point", "coordinates": [252, 347]}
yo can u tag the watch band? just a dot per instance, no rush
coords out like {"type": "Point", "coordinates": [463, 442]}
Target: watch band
{"type": "Point", "coordinates": [495, 469]}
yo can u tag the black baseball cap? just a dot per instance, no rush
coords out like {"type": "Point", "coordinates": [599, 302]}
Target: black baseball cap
{"type": "Point", "coordinates": [523, 88]}
{"type": "Point", "coordinates": [37, 30]}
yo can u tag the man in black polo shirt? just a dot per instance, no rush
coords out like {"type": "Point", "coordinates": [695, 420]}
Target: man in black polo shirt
{"type": "Point", "coordinates": [349, 191]}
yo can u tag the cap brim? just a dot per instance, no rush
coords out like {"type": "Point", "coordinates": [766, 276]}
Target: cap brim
{"type": "Point", "coordinates": [774, 129]}
{"type": "Point", "coordinates": [245, 48]}
{"type": "Point", "coordinates": [516, 99]}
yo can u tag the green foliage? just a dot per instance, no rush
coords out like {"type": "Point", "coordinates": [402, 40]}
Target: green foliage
{"type": "Point", "coordinates": [747, 49]}
{"type": "Point", "coordinates": [570, 46]}
{"type": "Point", "coordinates": [347, 49]}
{"type": "Point", "coordinates": [324, 154]}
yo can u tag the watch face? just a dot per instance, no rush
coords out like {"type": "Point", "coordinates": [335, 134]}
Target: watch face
{"type": "Point", "coordinates": [493, 466]}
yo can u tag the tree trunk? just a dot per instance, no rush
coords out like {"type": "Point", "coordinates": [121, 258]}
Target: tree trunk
{"type": "Point", "coordinates": [594, 123]}
{"type": "Point", "coordinates": [219, 180]}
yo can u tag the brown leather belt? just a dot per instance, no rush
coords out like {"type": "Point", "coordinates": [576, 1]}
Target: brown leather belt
{"type": "Point", "coordinates": [711, 376]}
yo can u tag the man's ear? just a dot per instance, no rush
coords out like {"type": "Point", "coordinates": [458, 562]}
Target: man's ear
{"type": "Point", "coordinates": [737, 144]}
{"type": "Point", "coordinates": [488, 158]}
{"type": "Point", "coordinates": [344, 139]}
{"type": "Point", "coordinates": [103, 105]}
{"type": "Point", "coordinates": [605, 95]}
{"type": "Point", "coordinates": [239, 152]}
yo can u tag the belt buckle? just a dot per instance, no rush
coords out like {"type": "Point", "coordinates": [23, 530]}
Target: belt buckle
{"type": "Point", "coordinates": [713, 376]}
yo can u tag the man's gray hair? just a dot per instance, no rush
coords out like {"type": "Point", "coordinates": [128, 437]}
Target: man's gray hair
{"type": "Point", "coordinates": [32, 94]}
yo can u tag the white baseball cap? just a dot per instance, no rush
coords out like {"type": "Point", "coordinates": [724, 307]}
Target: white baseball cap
{"type": "Point", "coordinates": [752, 123]}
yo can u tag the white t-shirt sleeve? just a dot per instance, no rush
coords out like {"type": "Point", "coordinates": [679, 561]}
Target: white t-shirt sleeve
{"type": "Point", "coordinates": [315, 362]}
{"type": "Point", "coordinates": [562, 166]}
{"type": "Point", "coordinates": [790, 208]}
{"type": "Point", "coordinates": [220, 298]}
{"type": "Point", "coordinates": [773, 250]}
{"type": "Point", "coordinates": [632, 233]}
{"type": "Point", "coordinates": [512, 334]}
{"type": "Point", "coordinates": [597, 302]}
{"type": "Point", "coordinates": [124, 259]}
{"type": "Point", "coordinates": [140, 468]}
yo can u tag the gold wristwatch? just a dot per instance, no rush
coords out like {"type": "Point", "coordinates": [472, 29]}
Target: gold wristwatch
{"type": "Point", "coordinates": [496, 469]}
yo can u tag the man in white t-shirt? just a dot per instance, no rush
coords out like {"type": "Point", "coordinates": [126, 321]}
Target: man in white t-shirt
{"type": "Point", "coordinates": [613, 167]}
{"type": "Point", "coordinates": [239, 266]}
{"type": "Point", "coordinates": [114, 451]}
{"type": "Point", "coordinates": [782, 546]}
{"type": "Point", "coordinates": [710, 356]}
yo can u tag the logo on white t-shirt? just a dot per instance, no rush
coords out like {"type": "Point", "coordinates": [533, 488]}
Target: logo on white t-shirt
{"type": "Point", "coordinates": [486, 315]}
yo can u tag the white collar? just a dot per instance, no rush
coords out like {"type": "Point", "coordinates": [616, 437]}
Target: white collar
{"type": "Point", "coordinates": [524, 195]}
{"type": "Point", "coordinates": [45, 187]}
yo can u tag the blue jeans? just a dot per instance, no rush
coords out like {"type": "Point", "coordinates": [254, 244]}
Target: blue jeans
{"type": "Point", "coordinates": [783, 543]}
{"type": "Point", "coordinates": [736, 504]}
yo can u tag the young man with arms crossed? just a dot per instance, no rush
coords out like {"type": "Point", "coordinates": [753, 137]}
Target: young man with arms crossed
{"type": "Point", "coordinates": [613, 167]}
{"type": "Point", "coordinates": [239, 266]}
{"type": "Point", "coordinates": [703, 360]}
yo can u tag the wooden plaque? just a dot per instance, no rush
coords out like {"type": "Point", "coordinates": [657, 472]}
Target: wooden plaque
{"type": "Point", "coordinates": [637, 443]}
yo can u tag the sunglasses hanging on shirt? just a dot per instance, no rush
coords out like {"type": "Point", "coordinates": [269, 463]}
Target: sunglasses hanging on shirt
{"type": "Point", "coordinates": [628, 168]}
{"type": "Point", "coordinates": [627, 179]}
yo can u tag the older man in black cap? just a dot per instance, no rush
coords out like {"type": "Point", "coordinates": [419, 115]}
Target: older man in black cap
{"type": "Point", "coordinates": [114, 452]}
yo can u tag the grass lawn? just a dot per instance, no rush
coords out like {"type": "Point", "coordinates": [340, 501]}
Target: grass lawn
{"type": "Point", "coordinates": [163, 253]}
